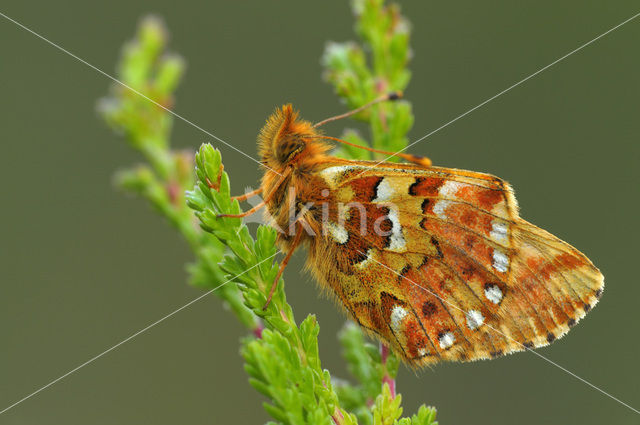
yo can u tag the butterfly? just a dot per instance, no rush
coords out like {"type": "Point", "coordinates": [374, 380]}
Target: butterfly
{"type": "Point", "coordinates": [434, 262]}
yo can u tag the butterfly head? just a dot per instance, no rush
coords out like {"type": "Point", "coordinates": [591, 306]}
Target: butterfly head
{"type": "Point", "coordinates": [285, 140]}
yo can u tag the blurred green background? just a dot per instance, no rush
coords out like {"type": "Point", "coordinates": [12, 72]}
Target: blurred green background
{"type": "Point", "coordinates": [83, 267]}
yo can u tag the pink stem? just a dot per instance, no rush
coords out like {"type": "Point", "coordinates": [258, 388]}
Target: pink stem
{"type": "Point", "coordinates": [384, 354]}
{"type": "Point", "coordinates": [338, 417]}
{"type": "Point", "coordinates": [173, 190]}
{"type": "Point", "coordinates": [392, 385]}
{"type": "Point", "coordinates": [257, 331]}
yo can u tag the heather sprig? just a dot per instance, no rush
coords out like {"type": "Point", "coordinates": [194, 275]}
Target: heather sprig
{"type": "Point", "coordinates": [281, 355]}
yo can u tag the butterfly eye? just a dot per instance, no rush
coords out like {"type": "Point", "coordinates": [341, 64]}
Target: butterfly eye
{"type": "Point", "coordinates": [288, 149]}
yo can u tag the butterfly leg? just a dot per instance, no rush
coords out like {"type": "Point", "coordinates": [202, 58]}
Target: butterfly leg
{"type": "Point", "coordinates": [294, 245]}
{"type": "Point", "coordinates": [216, 185]}
{"type": "Point", "coordinates": [264, 201]}
{"type": "Point", "coordinates": [247, 195]}
{"type": "Point", "coordinates": [246, 213]}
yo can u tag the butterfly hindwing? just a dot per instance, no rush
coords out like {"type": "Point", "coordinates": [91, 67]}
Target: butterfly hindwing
{"type": "Point", "coordinates": [437, 263]}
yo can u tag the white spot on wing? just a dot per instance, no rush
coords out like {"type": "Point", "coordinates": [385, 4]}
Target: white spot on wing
{"type": "Point", "coordinates": [500, 261]}
{"type": "Point", "coordinates": [384, 192]}
{"type": "Point", "coordinates": [474, 319]}
{"type": "Point", "coordinates": [493, 293]}
{"type": "Point", "coordinates": [397, 239]}
{"type": "Point", "coordinates": [339, 233]}
{"type": "Point", "coordinates": [364, 263]}
{"type": "Point", "coordinates": [449, 189]}
{"type": "Point", "coordinates": [397, 316]}
{"type": "Point", "coordinates": [499, 231]}
{"type": "Point", "coordinates": [331, 174]}
{"type": "Point", "coordinates": [446, 340]}
{"type": "Point", "coordinates": [422, 352]}
{"type": "Point", "coordinates": [440, 207]}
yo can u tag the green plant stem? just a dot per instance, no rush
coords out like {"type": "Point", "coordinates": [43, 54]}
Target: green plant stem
{"type": "Point", "coordinates": [281, 356]}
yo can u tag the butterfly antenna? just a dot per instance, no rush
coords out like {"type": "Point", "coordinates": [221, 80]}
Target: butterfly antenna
{"type": "Point", "coordinates": [416, 159]}
{"type": "Point", "coordinates": [394, 95]}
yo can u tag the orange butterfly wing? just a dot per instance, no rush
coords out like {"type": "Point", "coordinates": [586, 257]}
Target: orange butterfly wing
{"type": "Point", "coordinates": [437, 263]}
